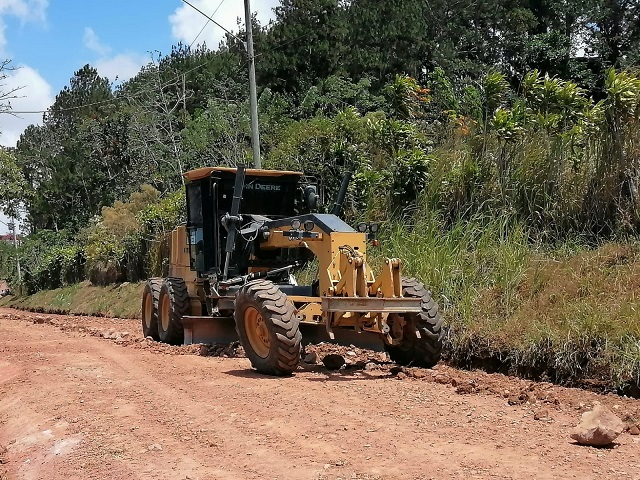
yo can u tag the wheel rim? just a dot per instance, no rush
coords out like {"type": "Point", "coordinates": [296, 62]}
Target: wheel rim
{"type": "Point", "coordinates": [257, 332]}
{"type": "Point", "coordinates": [147, 310]}
{"type": "Point", "coordinates": [165, 313]}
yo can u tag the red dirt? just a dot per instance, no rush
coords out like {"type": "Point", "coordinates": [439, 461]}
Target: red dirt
{"type": "Point", "coordinates": [75, 405]}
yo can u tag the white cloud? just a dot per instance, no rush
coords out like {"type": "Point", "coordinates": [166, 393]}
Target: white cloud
{"type": "Point", "coordinates": [118, 67]}
{"type": "Point", "coordinates": [186, 22]}
{"type": "Point", "coordinates": [121, 67]}
{"type": "Point", "coordinates": [92, 42]}
{"type": "Point", "coordinates": [25, 10]}
{"type": "Point", "coordinates": [35, 95]}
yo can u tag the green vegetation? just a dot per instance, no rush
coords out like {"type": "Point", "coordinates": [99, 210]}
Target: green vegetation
{"type": "Point", "coordinates": [503, 165]}
{"type": "Point", "coordinates": [565, 315]}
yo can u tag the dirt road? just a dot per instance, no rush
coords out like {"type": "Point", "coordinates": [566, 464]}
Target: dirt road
{"type": "Point", "coordinates": [74, 405]}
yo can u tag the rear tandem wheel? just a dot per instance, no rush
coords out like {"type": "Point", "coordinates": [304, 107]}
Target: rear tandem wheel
{"type": "Point", "coordinates": [174, 304]}
{"type": "Point", "coordinates": [150, 300]}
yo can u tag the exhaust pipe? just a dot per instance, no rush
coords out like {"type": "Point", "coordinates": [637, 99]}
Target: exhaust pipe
{"type": "Point", "coordinates": [337, 207]}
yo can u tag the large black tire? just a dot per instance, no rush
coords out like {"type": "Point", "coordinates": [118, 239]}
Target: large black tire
{"type": "Point", "coordinates": [426, 350]}
{"type": "Point", "coordinates": [173, 305]}
{"type": "Point", "coordinates": [268, 328]}
{"type": "Point", "coordinates": [150, 301]}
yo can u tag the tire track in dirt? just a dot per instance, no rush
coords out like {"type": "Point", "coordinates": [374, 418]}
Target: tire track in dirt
{"type": "Point", "coordinates": [78, 406]}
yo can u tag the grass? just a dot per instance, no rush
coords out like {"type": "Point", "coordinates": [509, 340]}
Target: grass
{"type": "Point", "coordinates": [567, 315]}
{"type": "Point", "coordinates": [120, 301]}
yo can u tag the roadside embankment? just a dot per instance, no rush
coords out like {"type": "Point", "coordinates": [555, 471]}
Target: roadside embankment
{"type": "Point", "coordinates": [120, 301]}
{"type": "Point", "coordinates": [566, 317]}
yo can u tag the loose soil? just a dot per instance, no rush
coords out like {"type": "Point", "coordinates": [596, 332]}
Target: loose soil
{"type": "Point", "coordinates": [89, 398]}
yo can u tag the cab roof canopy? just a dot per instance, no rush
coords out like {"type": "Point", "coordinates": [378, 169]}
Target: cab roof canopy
{"type": "Point", "coordinates": [205, 172]}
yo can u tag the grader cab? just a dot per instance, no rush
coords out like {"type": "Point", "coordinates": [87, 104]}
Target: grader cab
{"type": "Point", "coordinates": [232, 276]}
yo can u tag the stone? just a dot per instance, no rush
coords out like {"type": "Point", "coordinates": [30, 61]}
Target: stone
{"type": "Point", "coordinates": [351, 353]}
{"type": "Point", "coordinates": [542, 415]}
{"type": "Point", "coordinates": [383, 357]}
{"type": "Point", "coordinates": [634, 430]}
{"type": "Point", "coordinates": [401, 376]}
{"type": "Point", "coordinates": [370, 366]}
{"type": "Point", "coordinates": [156, 447]}
{"type": "Point", "coordinates": [333, 361]}
{"type": "Point", "coordinates": [465, 388]}
{"type": "Point", "coordinates": [311, 358]}
{"type": "Point", "coordinates": [598, 427]}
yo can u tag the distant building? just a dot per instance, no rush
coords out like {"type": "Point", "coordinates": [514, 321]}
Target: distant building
{"type": "Point", "coordinates": [9, 238]}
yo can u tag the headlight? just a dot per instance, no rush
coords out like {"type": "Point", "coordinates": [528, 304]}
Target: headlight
{"type": "Point", "coordinates": [309, 225]}
{"type": "Point", "coordinates": [362, 227]}
{"type": "Point", "coordinates": [295, 224]}
{"type": "Point", "coordinates": [373, 228]}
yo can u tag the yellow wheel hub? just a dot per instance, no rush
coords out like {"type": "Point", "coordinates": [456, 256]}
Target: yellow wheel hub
{"type": "Point", "coordinates": [164, 312]}
{"type": "Point", "coordinates": [148, 305]}
{"type": "Point", "coordinates": [257, 332]}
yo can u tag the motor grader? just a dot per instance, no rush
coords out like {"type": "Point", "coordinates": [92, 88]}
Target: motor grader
{"type": "Point", "coordinates": [231, 276]}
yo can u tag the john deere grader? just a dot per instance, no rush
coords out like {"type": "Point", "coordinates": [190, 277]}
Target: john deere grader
{"type": "Point", "coordinates": [232, 275]}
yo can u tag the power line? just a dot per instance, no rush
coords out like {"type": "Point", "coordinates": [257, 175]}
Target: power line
{"type": "Point", "coordinates": [69, 109]}
{"type": "Point", "coordinates": [176, 78]}
{"type": "Point", "coordinates": [115, 98]}
{"type": "Point", "coordinates": [205, 25]}
{"type": "Point", "coordinates": [213, 21]}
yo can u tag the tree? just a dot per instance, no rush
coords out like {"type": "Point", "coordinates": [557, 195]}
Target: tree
{"type": "Point", "coordinates": [12, 184]}
{"type": "Point", "coordinates": [7, 94]}
{"type": "Point", "coordinates": [614, 27]}
{"type": "Point", "coordinates": [70, 161]}
{"type": "Point", "coordinates": [307, 42]}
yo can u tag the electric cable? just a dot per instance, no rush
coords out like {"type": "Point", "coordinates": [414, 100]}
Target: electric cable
{"type": "Point", "coordinates": [205, 25]}
{"type": "Point", "coordinates": [142, 92]}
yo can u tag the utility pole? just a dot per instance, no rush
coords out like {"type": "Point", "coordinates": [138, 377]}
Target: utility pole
{"type": "Point", "coordinates": [12, 227]}
{"type": "Point", "coordinates": [253, 94]}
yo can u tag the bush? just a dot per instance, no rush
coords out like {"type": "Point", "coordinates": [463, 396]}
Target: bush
{"type": "Point", "coordinates": [122, 245]}
{"type": "Point", "coordinates": [49, 260]}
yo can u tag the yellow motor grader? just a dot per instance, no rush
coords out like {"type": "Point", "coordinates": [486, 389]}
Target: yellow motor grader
{"type": "Point", "coordinates": [231, 276]}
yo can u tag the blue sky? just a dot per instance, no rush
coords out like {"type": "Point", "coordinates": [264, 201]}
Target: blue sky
{"type": "Point", "coordinates": [51, 39]}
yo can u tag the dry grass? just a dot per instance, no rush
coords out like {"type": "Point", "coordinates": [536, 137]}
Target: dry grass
{"type": "Point", "coordinates": [565, 315]}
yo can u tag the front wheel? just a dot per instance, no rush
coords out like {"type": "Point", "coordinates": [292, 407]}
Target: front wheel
{"type": "Point", "coordinates": [423, 350]}
{"type": "Point", "coordinates": [268, 328]}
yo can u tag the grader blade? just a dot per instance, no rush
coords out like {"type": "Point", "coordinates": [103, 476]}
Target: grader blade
{"type": "Point", "coordinates": [212, 330]}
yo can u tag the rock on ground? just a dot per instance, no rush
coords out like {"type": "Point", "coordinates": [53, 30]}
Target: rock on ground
{"type": "Point", "coordinates": [333, 361]}
{"type": "Point", "coordinates": [598, 427]}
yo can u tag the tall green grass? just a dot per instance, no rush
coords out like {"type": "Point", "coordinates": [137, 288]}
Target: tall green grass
{"type": "Point", "coordinates": [565, 314]}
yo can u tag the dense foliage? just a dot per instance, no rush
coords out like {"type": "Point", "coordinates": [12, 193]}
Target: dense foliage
{"type": "Point", "coordinates": [490, 139]}
{"type": "Point", "coordinates": [521, 108]}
